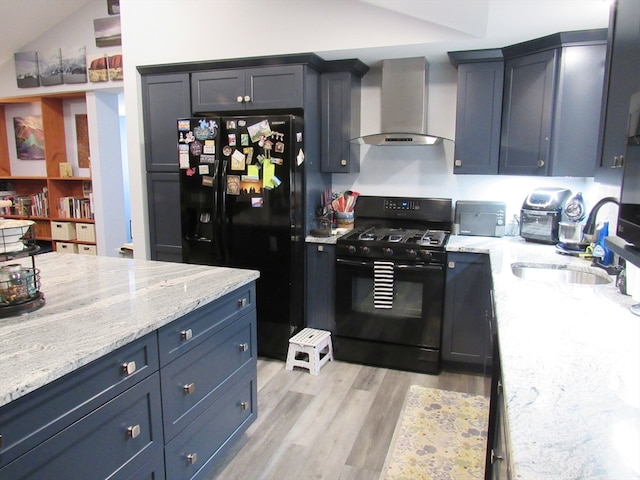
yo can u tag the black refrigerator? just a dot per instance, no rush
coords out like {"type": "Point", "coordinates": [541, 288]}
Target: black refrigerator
{"type": "Point", "coordinates": [241, 206]}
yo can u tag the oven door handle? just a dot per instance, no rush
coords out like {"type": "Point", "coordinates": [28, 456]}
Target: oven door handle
{"type": "Point", "coordinates": [405, 268]}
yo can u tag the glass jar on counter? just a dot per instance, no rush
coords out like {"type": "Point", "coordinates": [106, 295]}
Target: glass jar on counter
{"type": "Point", "coordinates": [14, 286]}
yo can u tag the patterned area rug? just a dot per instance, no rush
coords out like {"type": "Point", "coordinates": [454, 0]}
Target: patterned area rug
{"type": "Point", "coordinates": [440, 435]}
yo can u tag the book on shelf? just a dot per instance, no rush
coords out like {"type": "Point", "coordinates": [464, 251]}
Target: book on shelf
{"type": "Point", "coordinates": [75, 207]}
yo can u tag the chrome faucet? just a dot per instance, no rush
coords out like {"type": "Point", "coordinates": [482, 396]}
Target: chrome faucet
{"type": "Point", "coordinates": [590, 224]}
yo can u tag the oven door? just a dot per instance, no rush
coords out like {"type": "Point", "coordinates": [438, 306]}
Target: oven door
{"type": "Point", "coordinates": [415, 315]}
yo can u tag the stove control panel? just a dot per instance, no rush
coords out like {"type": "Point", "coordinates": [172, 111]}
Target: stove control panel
{"type": "Point", "coordinates": [396, 204]}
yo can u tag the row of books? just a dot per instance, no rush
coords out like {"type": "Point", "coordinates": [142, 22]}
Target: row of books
{"type": "Point", "coordinates": [35, 205]}
{"type": "Point", "coordinates": [76, 207]}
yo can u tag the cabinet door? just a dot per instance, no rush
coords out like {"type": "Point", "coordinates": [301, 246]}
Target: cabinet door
{"type": "Point", "coordinates": [340, 115]}
{"type": "Point", "coordinates": [466, 339]}
{"type": "Point", "coordinates": [217, 91]}
{"type": "Point", "coordinates": [526, 114]}
{"type": "Point", "coordinates": [320, 286]}
{"type": "Point", "coordinates": [238, 90]}
{"type": "Point", "coordinates": [274, 87]}
{"type": "Point", "coordinates": [163, 191]}
{"type": "Point", "coordinates": [165, 98]}
{"type": "Point", "coordinates": [622, 79]}
{"type": "Point", "coordinates": [478, 116]}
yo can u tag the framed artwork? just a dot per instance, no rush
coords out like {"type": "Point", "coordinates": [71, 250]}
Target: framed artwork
{"type": "Point", "coordinates": [82, 139]}
{"type": "Point", "coordinates": [27, 69]}
{"type": "Point", "coordinates": [107, 31]}
{"type": "Point", "coordinates": [50, 67]}
{"type": "Point", "coordinates": [74, 65]}
{"type": "Point", "coordinates": [113, 7]}
{"type": "Point", "coordinates": [29, 137]}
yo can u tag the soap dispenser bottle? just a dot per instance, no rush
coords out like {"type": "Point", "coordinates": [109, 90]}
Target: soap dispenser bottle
{"type": "Point", "coordinates": [600, 249]}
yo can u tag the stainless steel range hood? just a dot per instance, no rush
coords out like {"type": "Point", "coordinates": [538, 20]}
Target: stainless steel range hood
{"type": "Point", "coordinates": [404, 105]}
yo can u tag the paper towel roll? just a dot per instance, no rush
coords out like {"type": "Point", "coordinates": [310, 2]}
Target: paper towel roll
{"type": "Point", "coordinates": [633, 281]}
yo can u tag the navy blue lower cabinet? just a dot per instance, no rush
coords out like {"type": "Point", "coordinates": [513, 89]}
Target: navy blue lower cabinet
{"type": "Point", "coordinates": [466, 328]}
{"type": "Point", "coordinates": [113, 441]}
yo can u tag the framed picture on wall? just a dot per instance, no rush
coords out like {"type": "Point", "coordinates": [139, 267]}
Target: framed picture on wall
{"type": "Point", "coordinates": [27, 69]}
{"type": "Point", "coordinates": [29, 137]}
{"type": "Point", "coordinates": [113, 7]}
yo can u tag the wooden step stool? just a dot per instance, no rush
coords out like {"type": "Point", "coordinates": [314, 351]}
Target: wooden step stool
{"type": "Point", "coordinates": [311, 343]}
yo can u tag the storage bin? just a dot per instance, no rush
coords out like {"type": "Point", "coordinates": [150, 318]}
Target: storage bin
{"type": "Point", "coordinates": [63, 231]}
{"type": "Point", "coordinates": [86, 232]}
{"type": "Point", "coordinates": [66, 247]}
{"type": "Point", "coordinates": [87, 250]}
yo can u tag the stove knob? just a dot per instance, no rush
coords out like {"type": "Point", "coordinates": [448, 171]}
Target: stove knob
{"type": "Point", "coordinates": [425, 254]}
{"type": "Point", "coordinates": [351, 249]}
{"type": "Point", "coordinates": [387, 252]}
{"type": "Point", "coordinates": [365, 250]}
{"type": "Point", "coordinates": [411, 253]}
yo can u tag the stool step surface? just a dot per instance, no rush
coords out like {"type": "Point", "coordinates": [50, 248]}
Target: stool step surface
{"type": "Point", "coordinates": [309, 337]}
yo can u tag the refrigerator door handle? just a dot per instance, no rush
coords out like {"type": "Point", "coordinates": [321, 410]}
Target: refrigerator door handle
{"type": "Point", "coordinates": [222, 213]}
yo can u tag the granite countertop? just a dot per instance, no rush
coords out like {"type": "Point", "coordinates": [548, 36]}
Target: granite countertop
{"type": "Point", "coordinates": [571, 368]}
{"type": "Point", "coordinates": [96, 304]}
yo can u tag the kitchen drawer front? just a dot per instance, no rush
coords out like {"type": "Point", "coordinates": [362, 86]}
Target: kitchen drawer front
{"type": "Point", "coordinates": [185, 333]}
{"type": "Point", "coordinates": [99, 445]}
{"type": "Point", "coordinates": [191, 455]}
{"type": "Point", "coordinates": [30, 420]}
{"type": "Point", "coordinates": [192, 382]}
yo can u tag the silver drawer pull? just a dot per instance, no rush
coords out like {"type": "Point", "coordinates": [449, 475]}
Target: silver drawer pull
{"type": "Point", "coordinates": [244, 347]}
{"type": "Point", "coordinates": [133, 431]}
{"type": "Point", "coordinates": [244, 405]}
{"type": "Point", "coordinates": [128, 368]}
{"type": "Point", "coordinates": [189, 388]}
{"type": "Point", "coordinates": [186, 334]}
{"type": "Point", "coordinates": [242, 302]}
{"type": "Point", "coordinates": [192, 458]}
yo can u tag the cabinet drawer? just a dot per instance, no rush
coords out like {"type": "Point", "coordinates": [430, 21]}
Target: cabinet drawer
{"type": "Point", "coordinates": [192, 329]}
{"type": "Point", "coordinates": [190, 454]}
{"type": "Point", "coordinates": [120, 436]}
{"type": "Point", "coordinates": [193, 381]}
{"type": "Point", "coordinates": [31, 419]}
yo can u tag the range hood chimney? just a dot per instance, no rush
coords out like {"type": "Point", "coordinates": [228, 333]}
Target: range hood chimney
{"type": "Point", "coordinates": [404, 105]}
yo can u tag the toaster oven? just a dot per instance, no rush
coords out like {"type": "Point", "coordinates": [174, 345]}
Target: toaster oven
{"type": "Point", "coordinates": [541, 214]}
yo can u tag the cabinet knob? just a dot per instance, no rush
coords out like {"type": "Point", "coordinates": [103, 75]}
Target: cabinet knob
{"type": "Point", "coordinates": [189, 388]}
{"type": "Point", "coordinates": [244, 405]}
{"type": "Point", "coordinates": [239, 99]}
{"type": "Point", "coordinates": [128, 368]}
{"type": "Point", "coordinates": [186, 334]}
{"type": "Point", "coordinates": [451, 265]}
{"type": "Point", "coordinates": [343, 163]}
{"type": "Point", "coordinates": [247, 98]}
{"type": "Point", "coordinates": [133, 431]}
{"type": "Point", "coordinates": [242, 302]}
{"type": "Point", "coordinates": [540, 163]}
{"type": "Point", "coordinates": [244, 347]}
{"type": "Point", "coordinates": [457, 163]}
{"type": "Point", "coordinates": [192, 458]}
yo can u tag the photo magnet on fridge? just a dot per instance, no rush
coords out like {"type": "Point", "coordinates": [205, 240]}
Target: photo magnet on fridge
{"type": "Point", "coordinates": [209, 147]}
{"type": "Point", "coordinates": [207, 181]}
{"type": "Point", "coordinates": [248, 154]}
{"type": "Point", "coordinates": [233, 185]}
{"type": "Point", "coordinates": [237, 160]}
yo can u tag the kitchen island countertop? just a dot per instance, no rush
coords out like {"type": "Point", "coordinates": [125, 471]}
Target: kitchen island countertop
{"type": "Point", "coordinates": [571, 368]}
{"type": "Point", "coordinates": [94, 305]}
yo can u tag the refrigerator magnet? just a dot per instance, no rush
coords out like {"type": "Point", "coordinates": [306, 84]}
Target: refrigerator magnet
{"type": "Point", "coordinates": [260, 129]}
{"type": "Point", "coordinates": [256, 202]}
{"type": "Point", "coordinates": [268, 145]}
{"type": "Point", "coordinates": [233, 185]}
{"type": "Point", "coordinates": [231, 124]}
{"type": "Point", "coordinates": [300, 157]}
{"type": "Point", "coordinates": [206, 129]}
{"type": "Point", "coordinates": [276, 182]}
{"type": "Point", "coordinates": [226, 150]}
{"type": "Point", "coordinates": [184, 125]}
{"type": "Point", "coordinates": [279, 148]}
{"type": "Point", "coordinates": [195, 148]}
{"type": "Point", "coordinates": [298, 137]}
{"type": "Point", "coordinates": [268, 172]}
{"type": "Point", "coordinates": [209, 147]}
{"type": "Point", "coordinates": [207, 181]}
{"type": "Point", "coordinates": [190, 172]}
{"type": "Point", "coordinates": [237, 160]}
{"type": "Point", "coordinates": [207, 158]}
{"type": "Point", "coordinates": [232, 139]}
{"type": "Point", "coordinates": [241, 123]}
{"type": "Point", "coordinates": [276, 161]}
{"type": "Point", "coordinates": [183, 156]}
{"type": "Point", "coordinates": [244, 139]}
{"type": "Point", "coordinates": [203, 169]}
{"type": "Point", "coordinates": [248, 152]}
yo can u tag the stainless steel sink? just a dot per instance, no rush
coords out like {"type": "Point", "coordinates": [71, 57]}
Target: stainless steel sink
{"type": "Point", "coordinates": [557, 273]}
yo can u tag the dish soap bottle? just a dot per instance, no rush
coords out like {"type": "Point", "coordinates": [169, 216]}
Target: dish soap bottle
{"type": "Point", "coordinates": [600, 250]}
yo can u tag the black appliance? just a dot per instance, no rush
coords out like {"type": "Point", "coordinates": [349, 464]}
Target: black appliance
{"type": "Point", "coordinates": [242, 206]}
{"type": "Point", "coordinates": [390, 278]}
{"type": "Point", "coordinates": [629, 213]}
{"type": "Point", "coordinates": [541, 214]}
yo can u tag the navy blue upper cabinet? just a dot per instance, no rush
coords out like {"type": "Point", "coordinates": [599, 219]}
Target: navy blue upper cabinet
{"type": "Point", "coordinates": [622, 79]}
{"type": "Point", "coordinates": [551, 105]}
{"type": "Point", "coordinates": [248, 89]}
{"type": "Point", "coordinates": [534, 112]}
{"type": "Point", "coordinates": [478, 111]}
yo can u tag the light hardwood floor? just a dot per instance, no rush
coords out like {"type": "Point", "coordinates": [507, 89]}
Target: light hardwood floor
{"type": "Point", "coordinates": [336, 426]}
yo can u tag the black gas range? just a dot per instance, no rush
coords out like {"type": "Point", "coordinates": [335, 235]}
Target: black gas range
{"type": "Point", "coordinates": [390, 277]}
